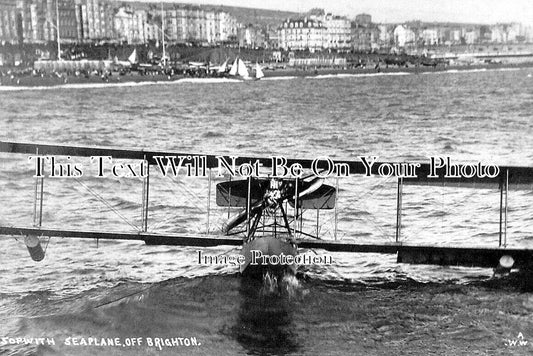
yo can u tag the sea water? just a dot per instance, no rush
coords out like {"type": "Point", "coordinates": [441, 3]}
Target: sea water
{"type": "Point", "coordinates": [361, 304]}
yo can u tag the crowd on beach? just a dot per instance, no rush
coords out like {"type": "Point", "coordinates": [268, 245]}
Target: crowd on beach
{"type": "Point", "coordinates": [116, 72]}
{"type": "Point", "coordinates": [13, 75]}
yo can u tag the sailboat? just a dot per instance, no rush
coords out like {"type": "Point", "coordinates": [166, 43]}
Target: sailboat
{"type": "Point", "coordinates": [239, 70]}
{"type": "Point", "coordinates": [258, 72]}
{"type": "Point", "coordinates": [133, 57]}
{"type": "Point", "coordinates": [223, 68]}
{"type": "Point", "coordinates": [219, 70]}
{"type": "Point", "coordinates": [132, 60]}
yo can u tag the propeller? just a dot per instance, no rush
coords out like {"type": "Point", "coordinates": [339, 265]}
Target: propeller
{"type": "Point", "coordinates": [273, 196]}
{"type": "Point", "coordinates": [241, 217]}
{"type": "Point", "coordinates": [314, 184]}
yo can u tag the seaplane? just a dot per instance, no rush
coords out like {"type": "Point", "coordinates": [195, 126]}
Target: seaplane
{"type": "Point", "coordinates": [270, 196]}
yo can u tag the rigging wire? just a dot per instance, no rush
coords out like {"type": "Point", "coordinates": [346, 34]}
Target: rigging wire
{"type": "Point", "coordinates": [376, 189]}
{"type": "Point", "coordinates": [445, 212]}
{"type": "Point", "coordinates": [47, 243]}
{"type": "Point", "coordinates": [194, 197]}
{"type": "Point", "coordinates": [106, 203]}
{"type": "Point", "coordinates": [198, 226]}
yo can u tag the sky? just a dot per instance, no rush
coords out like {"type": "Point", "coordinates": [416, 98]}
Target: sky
{"type": "Point", "coordinates": [473, 11]}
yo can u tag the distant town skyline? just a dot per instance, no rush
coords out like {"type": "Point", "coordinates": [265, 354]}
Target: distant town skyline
{"type": "Point", "coordinates": [393, 11]}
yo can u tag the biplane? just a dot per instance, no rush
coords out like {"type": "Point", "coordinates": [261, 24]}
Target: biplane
{"type": "Point", "coordinates": [270, 208]}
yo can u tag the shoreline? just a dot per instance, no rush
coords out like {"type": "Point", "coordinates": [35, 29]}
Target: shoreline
{"type": "Point", "coordinates": [384, 70]}
{"type": "Point", "coordinates": [20, 82]}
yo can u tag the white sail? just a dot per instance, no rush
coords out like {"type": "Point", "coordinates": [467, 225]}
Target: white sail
{"type": "Point", "coordinates": [126, 64]}
{"type": "Point", "coordinates": [133, 56]}
{"type": "Point", "coordinates": [258, 71]}
{"type": "Point", "coordinates": [223, 67]}
{"type": "Point", "coordinates": [242, 70]}
{"type": "Point", "coordinates": [233, 70]}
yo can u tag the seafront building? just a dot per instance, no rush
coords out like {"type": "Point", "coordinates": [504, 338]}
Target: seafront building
{"type": "Point", "coordinates": [326, 32]}
{"type": "Point", "coordinates": [366, 36]}
{"type": "Point", "coordinates": [252, 36]}
{"type": "Point", "coordinates": [133, 23]}
{"type": "Point", "coordinates": [302, 34]}
{"type": "Point", "coordinates": [130, 26]}
{"type": "Point", "coordinates": [316, 32]}
{"type": "Point", "coordinates": [404, 36]}
{"type": "Point", "coordinates": [36, 21]}
{"type": "Point", "coordinates": [186, 24]}
{"type": "Point", "coordinates": [10, 21]}
{"type": "Point", "coordinates": [95, 20]}
{"type": "Point", "coordinates": [338, 32]}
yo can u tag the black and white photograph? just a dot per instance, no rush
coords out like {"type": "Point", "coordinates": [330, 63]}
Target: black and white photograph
{"type": "Point", "coordinates": [273, 177]}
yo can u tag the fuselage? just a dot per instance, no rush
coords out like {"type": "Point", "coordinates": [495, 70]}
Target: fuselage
{"type": "Point", "coordinates": [274, 254]}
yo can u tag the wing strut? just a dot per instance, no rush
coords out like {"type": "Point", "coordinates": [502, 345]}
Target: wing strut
{"type": "Point", "coordinates": [208, 201]}
{"type": "Point", "coordinates": [38, 201]}
{"type": "Point", "coordinates": [399, 209]}
{"type": "Point", "coordinates": [145, 195]}
{"type": "Point", "coordinates": [317, 224]}
{"type": "Point", "coordinates": [229, 198]}
{"type": "Point", "coordinates": [295, 207]}
{"type": "Point", "coordinates": [32, 242]}
{"type": "Point", "coordinates": [248, 202]}
{"type": "Point", "coordinates": [336, 201]}
{"type": "Point", "coordinates": [504, 192]}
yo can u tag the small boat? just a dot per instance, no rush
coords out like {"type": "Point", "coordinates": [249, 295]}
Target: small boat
{"type": "Point", "coordinates": [131, 61]}
{"type": "Point", "coordinates": [133, 57]}
{"type": "Point", "coordinates": [258, 71]}
{"type": "Point", "coordinates": [223, 68]}
{"type": "Point", "coordinates": [219, 70]}
{"type": "Point", "coordinates": [239, 70]}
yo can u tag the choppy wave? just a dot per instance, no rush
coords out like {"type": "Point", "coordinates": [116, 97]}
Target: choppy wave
{"type": "Point", "coordinates": [229, 315]}
{"type": "Point", "coordinates": [361, 304]}
{"type": "Point", "coordinates": [94, 285]}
